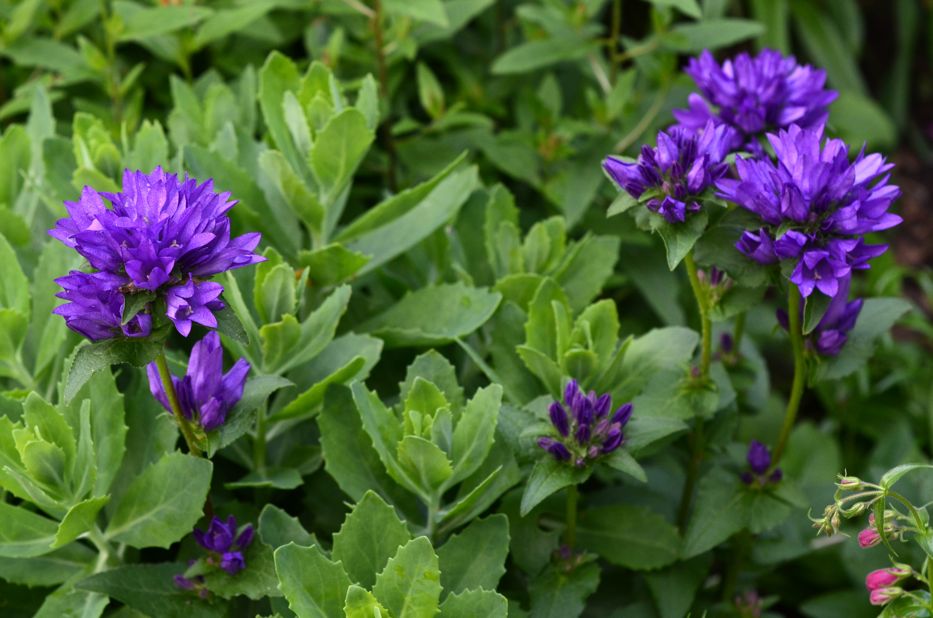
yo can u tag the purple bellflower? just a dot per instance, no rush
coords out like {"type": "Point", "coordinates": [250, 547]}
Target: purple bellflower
{"type": "Point", "coordinates": [585, 429]}
{"type": "Point", "coordinates": [832, 332]}
{"type": "Point", "coordinates": [672, 177]}
{"type": "Point", "coordinates": [161, 234]}
{"type": "Point", "coordinates": [226, 543]}
{"type": "Point", "coordinates": [759, 461]}
{"type": "Point", "coordinates": [815, 205]}
{"type": "Point", "coordinates": [95, 307]}
{"type": "Point", "coordinates": [755, 94]}
{"type": "Point", "coordinates": [205, 394]}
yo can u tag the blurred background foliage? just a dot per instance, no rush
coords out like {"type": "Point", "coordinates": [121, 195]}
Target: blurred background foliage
{"type": "Point", "coordinates": [537, 92]}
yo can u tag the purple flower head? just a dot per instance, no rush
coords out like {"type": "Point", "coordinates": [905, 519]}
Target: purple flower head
{"type": "Point", "coordinates": [588, 430]}
{"type": "Point", "coordinates": [95, 307]}
{"type": "Point", "coordinates": [205, 393]}
{"type": "Point", "coordinates": [759, 461]}
{"type": "Point", "coordinates": [754, 94]}
{"type": "Point", "coordinates": [161, 234]}
{"type": "Point", "coordinates": [675, 174]}
{"type": "Point", "coordinates": [822, 202]}
{"type": "Point", "coordinates": [221, 539]}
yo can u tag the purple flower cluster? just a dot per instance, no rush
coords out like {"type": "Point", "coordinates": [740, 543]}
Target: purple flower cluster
{"type": "Point", "coordinates": [587, 431]}
{"type": "Point", "coordinates": [832, 331]}
{"type": "Point", "coordinates": [759, 461]}
{"type": "Point", "coordinates": [226, 544]}
{"type": "Point", "coordinates": [161, 235]}
{"type": "Point", "coordinates": [814, 205]}
{"type": "Point", "coordinates": [205, 393]}
{"type": "Point", "coordinates": [753, 95]}
{"type": "Point", "coordinates": [673, 176]}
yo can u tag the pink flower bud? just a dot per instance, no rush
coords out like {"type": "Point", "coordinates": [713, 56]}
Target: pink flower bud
{"type": "Point", "coordinates": [881, 578]}
{"type": "Point", "coordinates": [883, 596]}
{"type": "Point", "coordinates": [868, 537]}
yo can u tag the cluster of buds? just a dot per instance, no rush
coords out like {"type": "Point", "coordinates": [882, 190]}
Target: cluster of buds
{"type": "Point", "coordinates": [759, 473]}
{"type": "Point", "coordinates": [855, 497]}
{"type": "Point", "coordinates": [715, 282]}
{"type": "Point", "coordinates": [587, 431]}
{"type": "Point", "coordinates": [882, 583]}
{"type": "Point", "coordinates": [226, 544]}
{"type": "Point", "coordinates": [870, 536]}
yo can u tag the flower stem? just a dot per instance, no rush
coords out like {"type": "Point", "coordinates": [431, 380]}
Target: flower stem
{"type": "Point", "coordinates": [183, 422]}
{"type": "Point", "coordinates": [259, 441]}
{"type": "Point", "coordinates": [738, 332]}
{"type": "Point", "coordinates": [693, 472]}
{"type": "Point", "coordinates": [796, 391]}
{"type": "Point", "coordinates": [706, 327]}
{"type": "Point", "coordinates": [570, 531]}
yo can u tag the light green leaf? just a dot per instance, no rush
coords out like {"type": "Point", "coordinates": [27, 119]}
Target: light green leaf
{"type": "Point", "coordinates": [474, 432]}
{"type": "Point", "coordinates": [163, 503]}
{"type": "Point", "coordinates": [559, 594]}
{"type": "Point", "coordinates": [434, 315]}
{"type": "Point", "coordinates": [79, 519]}
{"type": "Point", "coordinates": [410, 584]}
{"type": "Point", "coordinates": [145, 23]}
{"type": "Point", "coordinates": [369, 536]}
{"type": "Point", "coordinates": [314, 586]}
{"type": "Point", "coordinates": [286, 344]}
{"type": "Point", "coordinates": [331, 264]}
{"type": "Point", "coordinates": [425, 463]}
{"type": "Point", "coordinates": [712, 34]}
{"type": "Point", "coordinates": [431, 11]}
{"type": "Point", "coordinates": [679, 238]}
{"type": "Point", "coordinates": [533, 55]}
{"type": "Point", "coordinates": [361, 603]}
{"type": "Point", "coordinates": [277, 528]}
{"type": "Point", "coordinates": [687, 7]}
{"type": "Point", "coordinates": [68, 603]}
{"type": "Point", "coordinates": [241, 417]}
{"type": "Point", "coordinates": [337, 151]}
{"type": "Point", "coordinates": [24, 534]}
{"type": "Point", "coordinates": [475, 602]}
{"type": "Point", "coordinates": [475, 557]}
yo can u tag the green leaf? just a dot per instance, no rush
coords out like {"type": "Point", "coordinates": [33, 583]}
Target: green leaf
{"type": "Point", "coordinates": [79, 519]}
{"type": "Point", "coordinates": [875, 319]}
{"type": "Point", "coordinates": [101, 355]}
{"type": "Point", "coordinates": [717, 513]}
{"type": "Point", "coordinates": [401, 222]}
{"type": "Point", "coordinates": [337, 151]}
{"type": "Point", "coordinates": [425, 463]}
{"type": "Point", "coordinates": [314, 586]}
{"type": "Point", "coordinates": [410, 584]}
{"type": "Point", "coordinates": [814, 308]}
{"type": "Point", "coordinates": [49, 569]}
{"type": "Point", "coordinates": [430, 92]}
{"type": "Point", "coordinates": [288, 344]}
{"type": "Point", "coordinates": [475, 432]}
{"type": "Point", "coordinates": [163, 503]}
{"type": "Point", "coordinates": [270, 477]}
{"type": "Point", "coordinates": [430, 11]}
{"type": "Point", "coordinates": [361, 603]}
{"type": "Point", "coordinates": [476, 602]}
{"type": "Point", "coordinates": [679, 238]}
{"type": "Point", "coordinates": [241, 417]}
{"type": "Point", "coordinates": [291, 187]}
{"type": "Point", "coordinates": [23, 533]}
{"type": "Point", "coordinates": [687, 7]}
{"type": "Point", "coordinates": [145, 23]}
{"type": "Point", "coordinates": [69, 603]}
{"type": "Point", "coordinates": [860, 120]}
{"type": "Point", "coordinates": [825, 45]}
{"type": "Point", "coordinates": [659, 350]}
{"type": "Point", "coordinates": [475, 557]}
{"type": "Point", "coordinates": [559, 594]}
{"type": "Point", "coordinates": [228, 21]}
{"type": "Point", "coordinates": [711, 34]}
{"type": "Point", "coordinates": [547, 477]}
{"type": "Point", "coordinates": [892, 476]}
{"type": "Point", "coordinates": [533, 55]}
{"type": "Point", "coordinates": [629, 536]}
{"type": "Point", "coordinates": [149, 589]}
{"type": "Point", "coordinates": [433, 367]}
{"type": "Point", "coordinates": [229, 324]}
{"type": "Point", "coordinates": [622, 460]}
{"type": "Point", "coordinates": [331, 264]}
{"type": "Point", "coordinates": [434, 315]}
{"type": "Point", "coordinates": [278, 76]}
{"type": "Point", "coordinates": [675, 587]}
{"type": "Point", "coordinates": [369, 536]}
{"type": "Point", "coordinates": [14, 286]}
{"type": "Point", "coordinates": [277, 528]}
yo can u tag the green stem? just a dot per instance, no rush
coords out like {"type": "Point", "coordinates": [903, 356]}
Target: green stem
{"type": "Point", "coordinates": [706, 327]}
{"type": "Point", "coordinates": [104, 550]}
{"type": "Point", "coordinates": [738, 330]}
{"type": "Point", "coordinates": [570, 531]}
{"type": "Point", "coordinates": [259, 441]}
{"type": "Point", "coordinates": [615, 32]}
{"type": "Point", "coordinates": [693, 472]}
{"type": "Point", "coordinates": [796, 391]}
{"type": "Point", "coordinates": [433, 508]}
{"type": "Point", "coordinates": [183, 422]}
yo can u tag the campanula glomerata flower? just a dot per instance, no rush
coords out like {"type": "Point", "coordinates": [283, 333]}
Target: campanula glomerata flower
{"type": "Point", "coordinates": [673, 176]}
{"type": "Point", "coordinates": [226, 542]}
{"type": "Point", "coordinates": [755, 94]}
{"type": "Point", "coordinates": [205, 394]}
{"type": "Point", "coordinates": [95, 307]}
{"type": "Point", "coordinates": [815, 206]}
{"type": "Point", "coordinates": [160, 235]}
{"type": "Point", "coordinates": [585, 429]}
{"type": "Point", "coordinates": [759, 461]}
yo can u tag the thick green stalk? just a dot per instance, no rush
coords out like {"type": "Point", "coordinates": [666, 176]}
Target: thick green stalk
{"type": "Point", "coordinates": [738, 332]}
{"type": "Point", "coordinates": [706, 327]}
{"type": "Point", "coordinates": [259, 441]}
{"type": "Point", "coordinates": [796, 390]}
{"type": "Point", "coordinates": [183, 423]}
{"type": "Point", "coordinates": [570, 531]}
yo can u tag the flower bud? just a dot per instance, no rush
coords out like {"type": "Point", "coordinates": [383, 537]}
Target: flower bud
{"type": "Point", "coordinates": [868, 537]}
{"type": "Point", "coordinates": [883, 596]}
{"type": "Point", "coordinates": [880, 578]}
{"type": "Point", "coordinates": [849, 483]}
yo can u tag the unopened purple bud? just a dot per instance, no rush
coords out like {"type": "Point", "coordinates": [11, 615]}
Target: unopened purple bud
{"type": "Point", "coordinates": [559, 418]}
{"type": "Point", "coordinates": [623, 414]}
{"type": "Point", "coordinates": [602, 404]}
{"type": "Point", "coordinates": [183, 582]}
{"type": "Point", "coordinates": [747, 477]}
{"type": "Point", "coordinates": [759, 458]}
{"type": "Point", "coordinates": [776, 476]}
{"type": "Point", "coordinates": [583, 433]}
{"type": "Point", "coordinates": [555, 448]}
{"type": "Point", "coordinates": [232, 562]}
{"type": "Point", "coordinates": [593, 452]}
{"type": "Point", "coordinates": [572, 393]}
{"type": "Point", "coordinates": [782, 319]}
{"type": "Point", "coordinates": [613, 439]}
{"type": "Point", "coordinates": [726, 343]}
{"type": "Point", "coordinates": [715, 276]}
